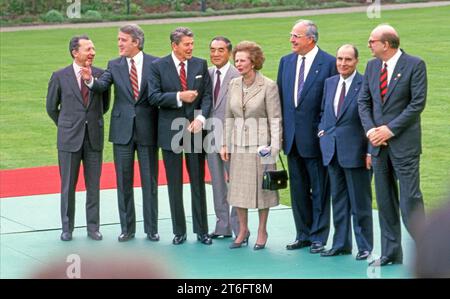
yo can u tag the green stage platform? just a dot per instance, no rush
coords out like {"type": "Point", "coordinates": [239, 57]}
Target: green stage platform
{"type": "Point", "coordinates": [30, 230]}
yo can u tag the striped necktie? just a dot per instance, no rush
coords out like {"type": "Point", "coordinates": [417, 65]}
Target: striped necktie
{"type": "Point", "coordinates": [134, 79]}
{"type": "Point", "coordinates": [183, 77]}
{"type": "Point", "coordinates": [383, 82]}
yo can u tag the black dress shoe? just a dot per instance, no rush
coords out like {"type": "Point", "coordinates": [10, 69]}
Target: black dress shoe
{"type": "Point", "coordinates": [216, 236]}
{"type": "Point", "coordinates": [316, 247]}
{"type": "Point", "coordinates": [126, 237]}
{"type": "Point", "coordinates": [335, 252]}
{"type": "Point", "coordinates": [204, 238]}
{"type": "Point", "coordinates": [297, 244]}
{"type": "Point", "coordinates": [362, 255]}
{"type": "Point", "coordinates": [179, 239]}
{"type": "Point", "coordinates": [259, 246]}
{"type": "Point", "coordinates": [383, 261]}
{"type": "Point", "coordinates": [66, 236]}
{"type": "Point", "coordinates": [153, 237]}
{"type": "Point", "coordinates": [95, 235]}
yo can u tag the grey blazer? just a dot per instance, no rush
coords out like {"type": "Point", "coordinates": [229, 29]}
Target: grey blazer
{"type": "Point", "coordinates": [253, 119]}
{"type": "Point", "coordinates": [65, 107]}
{"type": "Point", "coordinates": [405, 101]}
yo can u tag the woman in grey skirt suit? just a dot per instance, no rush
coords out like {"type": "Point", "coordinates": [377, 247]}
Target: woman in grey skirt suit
{"type": "Point", "coordinates": [252, 130]}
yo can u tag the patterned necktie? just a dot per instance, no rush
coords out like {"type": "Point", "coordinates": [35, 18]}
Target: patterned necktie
{"type": "Point", "coordinates": [341, 99]}
{"type": "Point", "coordinates": [134, 80]}
{"type": "Point", "coordinates": [183, 77]}
{"type": "Point", "coordinates": [383, 82]}
{"type": "Point", "coordinates": [301, 80]}
{"type": "Point", "coordinates": [217, 87]}
{"type": "Point", "coordinates": [84, 92]}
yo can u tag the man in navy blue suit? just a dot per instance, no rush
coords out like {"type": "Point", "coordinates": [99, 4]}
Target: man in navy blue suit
{"type": "Point", "coordinates": [301, 76]}
{"type": "Point", "coordinates": [344, 151]}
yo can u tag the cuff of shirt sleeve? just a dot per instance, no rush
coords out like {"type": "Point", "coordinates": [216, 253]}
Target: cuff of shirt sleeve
{"type": "Point", "coordinates": [370, 132]}
{"type": "Point", "coordinates": [202, 119]}
{"type": "Point", "coordinates": [90, 82]}
{"type": "Point", "coordinates": [179, 102]}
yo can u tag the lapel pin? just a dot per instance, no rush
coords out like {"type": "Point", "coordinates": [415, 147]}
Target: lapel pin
{"type": "Point", "coordinates": [317, 71]}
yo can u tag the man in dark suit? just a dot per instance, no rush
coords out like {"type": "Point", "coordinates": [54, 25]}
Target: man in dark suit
{"type": "Point", "coordinates": [392, 98]}
{"type": "Point", "coordinates": [344, 152]}
{"type": "Point", "coordinates": [301, 76]}
{"type": "Point", "coordinates": [78, 114]}
{"type": "Point", "coordinates": [133, 129]}
{"type": "Point", "coordinates": [221, 74]}
{"type": "Point", "coordinates": [181, 87]}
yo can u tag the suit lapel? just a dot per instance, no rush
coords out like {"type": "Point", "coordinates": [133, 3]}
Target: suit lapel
{"type": "Point", "coordinates": [351, 94]}
{"type": "Point", "coordinates": [255, 89]}
{"type": "Point", "coordinates": [124, 72]}
{"type": "Point", "coordinates": [312, 74]}
{"type": "Point", "coordinates": [291, 68]}
{"type": "Point", "coordinates": [191, 71]}
{"type": "Point", "coordinates": [73, 83]}
{"type": "Point", "coordinates": [331, 95]}
{"type": "Point", "coordinates": [375, 81]}
{"type": "Point", "coordinates": [223, 87]}
{"type": "Point", "coordinates": [144, 76]}
{"type": "Point", "coordinates": [396, 76]}
{"type": "Point", "coordinates": [172, 71]}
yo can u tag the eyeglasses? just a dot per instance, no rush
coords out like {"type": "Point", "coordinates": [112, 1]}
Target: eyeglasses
{"type": "Point", "coordinates": [295, 35]}
{"type": "Point", "coordinates": [371, 41]}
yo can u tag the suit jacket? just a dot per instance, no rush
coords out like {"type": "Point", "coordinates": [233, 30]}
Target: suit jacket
{"type": "Point", "coordinates": [129, 115]}
{"type": "Point", "coordinates": [302, 121]}
{"type": "Point", "coordinates": [343, 135]}
{"type": "Point", "coordinates": [404, 102]}
{"type": "Point", "coordinates": [65, 107]}
{"type": "Point", "coordinates": [164, 85]}
{"type": "Point", "coordinates": [215, 122]}
{"type": "Point", "coordinates": [260, 123]}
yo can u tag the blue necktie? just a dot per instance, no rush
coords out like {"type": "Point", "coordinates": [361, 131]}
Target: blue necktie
{"type": "Point", "coordinates": [301, 80]}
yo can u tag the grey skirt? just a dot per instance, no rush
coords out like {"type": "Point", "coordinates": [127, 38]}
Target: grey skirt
{"type": "Point", "coordinates": [245, 185]}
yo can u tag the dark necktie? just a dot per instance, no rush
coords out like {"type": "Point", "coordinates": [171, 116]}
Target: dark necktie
{"type": "Point", "coordinates": [84, 92]}
{"type": "Point", "coordinates": [383, 82]}
{"type": "Point", "coordinates": [183, 77]}
{"type": "Point", "coordinates": [134, 80]}
{"type": "Point", "coordinates": [301, 80]}
{"type": "Point", "coordinates": [217, 87]}
{"type": "Point", "coordinates": [341, 99]}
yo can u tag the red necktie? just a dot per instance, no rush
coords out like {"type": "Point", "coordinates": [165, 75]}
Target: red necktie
{"type": "Point", "coordinates": [183, 77]}
{"type": "Point", "coordinates": [217, 87]}
{"type": "Point", "coordinates": [383, 82]}
{"type": "Point", "coordinates": [134, 79]}
{"type": "Point", "coordinates": [341, 99]}
{"type": "Point", "coordinates": [84, 92]}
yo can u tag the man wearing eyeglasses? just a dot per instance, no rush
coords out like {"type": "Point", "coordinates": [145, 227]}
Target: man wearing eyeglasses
{"type": "Point", "coordinates": [392, 98]}
{"type": "Point", "coordinates": [301, 77]}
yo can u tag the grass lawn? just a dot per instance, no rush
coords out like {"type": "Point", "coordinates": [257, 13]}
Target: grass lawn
{"type": "Point", "coordinates": [28, 136]}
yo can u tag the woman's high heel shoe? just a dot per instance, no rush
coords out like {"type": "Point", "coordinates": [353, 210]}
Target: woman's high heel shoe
{"type": "Point", "coordinates": [260, 246]}
{"type": "Point", "coordinates": [240, 244]}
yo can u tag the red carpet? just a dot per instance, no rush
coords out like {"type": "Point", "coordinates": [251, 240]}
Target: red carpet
{"type": "Point", "coordinates": [45, 180]}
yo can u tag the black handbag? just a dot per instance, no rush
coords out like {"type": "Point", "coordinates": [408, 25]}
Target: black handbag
{"type": "Point", "coordinates": [275, 179]}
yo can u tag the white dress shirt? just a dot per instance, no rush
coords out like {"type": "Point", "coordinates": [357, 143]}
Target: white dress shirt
{"type": "Point", "coordinates": [309, 58]}
{"type": "Point", "coordinates": [223, 72]}
{"type": "Point", "coordinates": [391, 63]}
{"type": "Point", "coordinates": [138, 62]}
{"type": "Point", "coordinates": [77, 70]}
{"type": "Point", "coordinates": [348, 83]}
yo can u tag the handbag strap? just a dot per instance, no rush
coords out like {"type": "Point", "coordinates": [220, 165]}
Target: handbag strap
{"type": "Point", "coordinates": [282, 164]}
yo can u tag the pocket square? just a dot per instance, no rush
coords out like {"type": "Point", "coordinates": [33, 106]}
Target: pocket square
{"type": "Point", "coordinates": [198, 76]}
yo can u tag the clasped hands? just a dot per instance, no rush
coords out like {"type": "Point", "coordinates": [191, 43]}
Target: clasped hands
{"type": "Point", "coordinates": [380, 135]}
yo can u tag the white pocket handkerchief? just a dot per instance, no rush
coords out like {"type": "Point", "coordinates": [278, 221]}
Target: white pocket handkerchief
{"type": "Point", "coordinates": [198, 76]}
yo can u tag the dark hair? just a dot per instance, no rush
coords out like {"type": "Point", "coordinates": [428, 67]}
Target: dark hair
{"type": "Point", "coordinates": [392, 38]}
{"type": "Point", "coordinates": [74, 43]}
{"type": "Point", "coordinates": [254, 50]}
{"type": "Point", "coordinates": [179, 33]}
{"type": "Point", "coordinates": [225, 40]}
{"type": "Point", "coordinates": [135, 32]}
